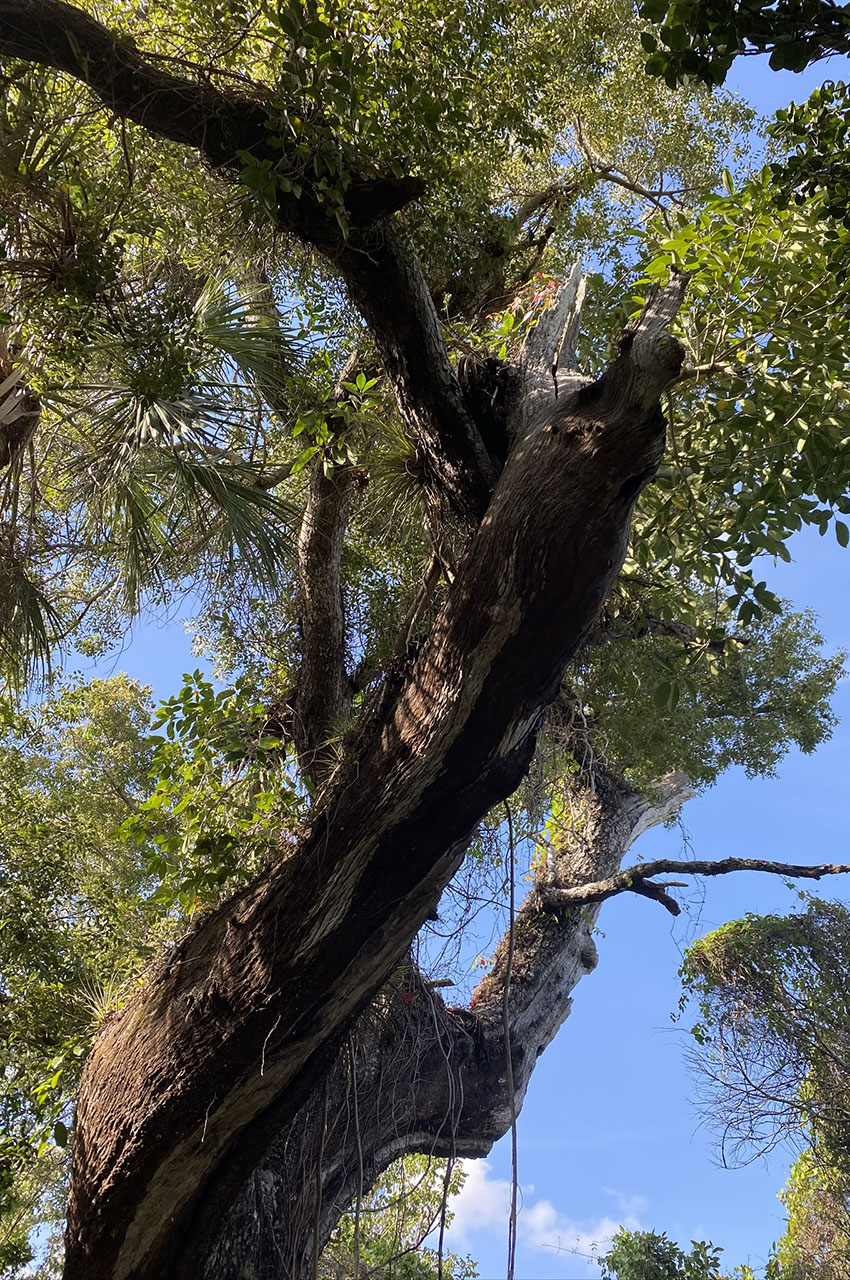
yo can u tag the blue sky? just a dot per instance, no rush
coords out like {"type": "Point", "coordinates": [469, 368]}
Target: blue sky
{"type": "Point", "coordinates": [608, 1133]}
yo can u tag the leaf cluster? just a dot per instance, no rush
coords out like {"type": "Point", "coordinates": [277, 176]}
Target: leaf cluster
{"type": "Point", "coordinates": [700, 39]}
{"type": "Point", "coordinates": [647, 1255]}
{"type": "Point", "coordinates": [224, 798]}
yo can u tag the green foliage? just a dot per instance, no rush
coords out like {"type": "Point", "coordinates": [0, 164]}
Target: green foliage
{"type": "Point", "coordinates": [759, 428]}
{"type": "Point", "coordinates": [816, 1242]}
{"type": "Point", "coordinates": [225, 792]}
{"type": "Point", "coordinates": [406, 1207]}
{"type": "Point", "coordinates": [816, 164]}
{"type": "Point", "coordinates": [138, 289]}
{"type": "Point", "coordinates": [700, 39]}
{"type": "Point", "coordinates": [141, 370]}
{"type": "Point", "coordinates": [654, 703]}
{"type": "Point", "coordinates": [77, 924]}
{"type": "Point", "coordinates": [645, 1255]}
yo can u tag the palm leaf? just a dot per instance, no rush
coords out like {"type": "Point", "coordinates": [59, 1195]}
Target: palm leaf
{"type": "Point", "coordinates": [240, 323]}
{"type": "Point", "coordinates": [29, 623]}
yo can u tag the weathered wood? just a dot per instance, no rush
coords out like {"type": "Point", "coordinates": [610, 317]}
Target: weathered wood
{"type": "Point", "coordinates": [432, 1078]}
{"type": "Point", "coordinates": [227, 1039]}
{"type": "Point", "coordinates": [233, 1030]}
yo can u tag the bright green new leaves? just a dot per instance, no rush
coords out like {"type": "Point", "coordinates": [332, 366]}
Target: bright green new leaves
{"type": "Point", "coordinates": [225, 799]}
{"type": "Point", "coordinates": [759, 426]}
{"type": "Point", "coordinates": [816, 1241]}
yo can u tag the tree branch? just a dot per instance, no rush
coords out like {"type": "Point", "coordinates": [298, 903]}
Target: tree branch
{"type": "Point", "coordinates": [380, 269]}
{"type": "Point", "coordinates": [434, 1079]}
{"type": "Point", "coordinates": [193, 113]}
{"type": "Point", "coordinates": [227, 1039]}
{"type": "Point", "coordinates": [323, 691]}
{"type": "Point", "coordinates": [637, 879]}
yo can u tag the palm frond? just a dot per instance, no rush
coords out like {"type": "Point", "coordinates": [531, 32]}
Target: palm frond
{"type": "Point", "coordinates": [239, 322]}
{"type": "Point", "coordinates": [29, 623]}
{"type": "Point", "coordinates": [255, 523]}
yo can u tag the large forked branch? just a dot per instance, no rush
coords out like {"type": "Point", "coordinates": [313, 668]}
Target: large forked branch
{"type": "Point", "coordinates": [639, 878]}
{"type": "Point", "coordinates": [431, 1078]}
{"type": "Point", "coordinates": [227, 1039]}
{"type": "Point", "coordinates": [380, 269]}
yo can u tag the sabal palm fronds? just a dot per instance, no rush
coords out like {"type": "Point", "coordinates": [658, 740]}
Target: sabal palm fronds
{"type": "Point", "coordinates": [159, 456]}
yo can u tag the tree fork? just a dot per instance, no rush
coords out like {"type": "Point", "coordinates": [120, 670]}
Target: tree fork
{"type": "Point", "coordinates": [229, 1035]}
{"type": "Point", "coordinates": [432, 1078]}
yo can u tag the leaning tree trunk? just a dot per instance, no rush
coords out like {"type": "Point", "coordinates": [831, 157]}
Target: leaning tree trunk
{"type": "Point", "coordinates": [223, 1045]}
{"type": "Point", "coordinates": [226, 1041]}
{"type": "Point", "coordinates": [427, 1077]}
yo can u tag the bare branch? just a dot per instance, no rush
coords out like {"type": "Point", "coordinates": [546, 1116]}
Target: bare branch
{"type": "Point", "coordinates": [637, 879]}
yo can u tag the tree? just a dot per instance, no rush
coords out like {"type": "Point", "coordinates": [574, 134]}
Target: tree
{"type": "Point", "coordinates": [696, 40]}
{"type": "Point", "coordinates": [205, 1135]}
{"type": "Point", "coordinates": [645, 1255]}
{"type": "Point", "coordinates": [815, 1245]}
{"type": "Point", "coordinates": [772, 1051]}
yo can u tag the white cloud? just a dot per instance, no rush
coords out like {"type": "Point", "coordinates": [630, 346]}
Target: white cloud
{"type": "Point", "coordinates": [483, 1204]}
{"type": "Point", "coordinates": [630, 1206]}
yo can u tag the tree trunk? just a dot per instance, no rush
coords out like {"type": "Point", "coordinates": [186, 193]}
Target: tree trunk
{"type": "Point", "coordinates": [226, 1041]}
{"type": "Point", "coordinates": [228, 1038]}
{"type": "Point", "coordinates": [427, 1077]}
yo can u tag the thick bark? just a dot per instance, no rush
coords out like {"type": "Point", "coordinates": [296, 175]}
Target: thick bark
{"type": "Point", "coordinates": [226, 1040]}
{"type": "Point", "coordinates": [430, 1078]}
{"type": "Point", "coordinates": [229, 1036]}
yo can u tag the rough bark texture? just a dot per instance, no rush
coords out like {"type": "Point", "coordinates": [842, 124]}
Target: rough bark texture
{"type": "Point", "coordinates": [225, 1043]}
{"type": "Point", "coordinates": [431, 1078]}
